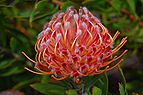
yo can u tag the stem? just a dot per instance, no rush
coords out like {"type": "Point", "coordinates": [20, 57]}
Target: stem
{"type": "Point", "coordinates": [57, 2]}
{"type": "Point", "coordinates": [80, 87]}
{"type": "Point", "coordinates": [81, 90]}
{"type": "Point", "coordinates": [105, 80]}
{"type": "Point", "coordinates": [123, 79]}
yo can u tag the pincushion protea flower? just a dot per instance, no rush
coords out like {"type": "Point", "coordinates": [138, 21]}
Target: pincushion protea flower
{"type": "Point", "coordinates": [75, 44]}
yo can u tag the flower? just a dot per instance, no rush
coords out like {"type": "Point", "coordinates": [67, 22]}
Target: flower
{"type": "Point", "coordinates": [75, 44]}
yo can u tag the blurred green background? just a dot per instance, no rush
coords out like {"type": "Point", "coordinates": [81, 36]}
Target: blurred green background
{"type": "Point", "coordinates": [22, 20]}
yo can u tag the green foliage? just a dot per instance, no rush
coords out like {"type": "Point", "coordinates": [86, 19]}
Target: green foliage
{"type": "Point", "coordinates": [131, 4]}
{"type": "Point", "coordinates": [96, 91]}
{"type": "Point", "coordinates": [48, 89]}
{"type": "Point", "coordinates": [42, 9]}
{"type": "Point", "coordinates": [117, 4]}
{"type": "Point", "coordinates": [121, 89]}
{"type": "Point", "coordinates": [72, 92]}
{"type": "Point", "coordinates": [67, 4]}
{"type": "Point", "coordinates": [13, 44]}
{"type": "Point", "coordinates": [102, 84]}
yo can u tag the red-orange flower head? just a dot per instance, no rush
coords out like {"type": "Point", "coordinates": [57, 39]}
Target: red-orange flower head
{"type": "Point", "coordinates": [75, 44]}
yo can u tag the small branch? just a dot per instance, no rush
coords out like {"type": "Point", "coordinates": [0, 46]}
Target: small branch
{"type": "Point", "coordinates": [57, 2]}
{"type": "Point", "coordinates": [22, 30]}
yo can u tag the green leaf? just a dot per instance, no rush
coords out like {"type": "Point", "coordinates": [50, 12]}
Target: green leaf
{"type": "Point", "coordinates": [89, 93]}
{"type": "Point", "coordinates": [123, 81]}
{"type": "Point", "coordinates": [48, 89]}
{"type": "Point", "coordinates": [20, 85]}
{"type": "Point", "coordinates": [139, 40]}
{"type": "Point", "coordinates": [98, 5]}
{"type": "Point", "coordinates": [6, 63]}
{"type": "Point", "coordinates": [63, 83]}
{"type": "Point", "coordinates": [12, 71]}
{"type": "Point", "coordinates": [105, 86]}
{"type": "Point", "coordinates": [116, 4]}
{"type": "Point", "coordinates": [67, 4]}
{"type": "Point", "coordinates": [25, 14]}
{"type": "Point", "coordinates": [45, 79]}
{"type": "Point", "coordinates": [96, 91]}
{"type": "Point", "coordinates": [3, 35]}
{"type": "Point", "coordinates": [13, 44]}
{"type": "Point", "coordinates": [102, 83]}
{"type": "Point", "coordinates": [131, 4]}
{"type": "Point", "coordinates": [91, 80]}
{"type": "Point", "coordinates": [121, 89]}
{"type": "Point", "coordinates": [72, 92]}
{"type": "Point", "coordinates": [42, 9]}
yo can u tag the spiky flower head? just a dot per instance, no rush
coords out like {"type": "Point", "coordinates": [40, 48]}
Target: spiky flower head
{"type": "Point", "coordinates": [75, 44]}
